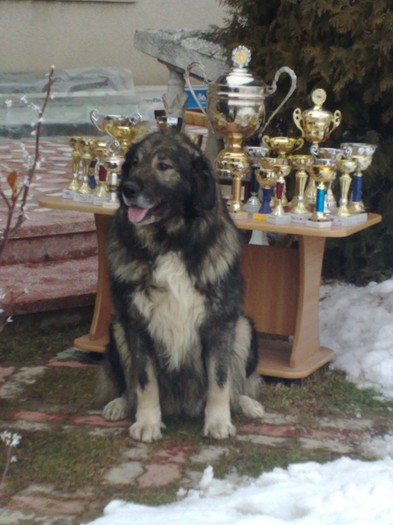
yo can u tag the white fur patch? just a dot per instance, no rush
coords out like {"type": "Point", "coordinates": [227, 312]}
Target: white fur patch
{"type": "Point", "coordinates": [174, 309]}
{"type": "Point", "coordinates": [218, 410]}
{"type": "Point", "coordinates": [147, 427]}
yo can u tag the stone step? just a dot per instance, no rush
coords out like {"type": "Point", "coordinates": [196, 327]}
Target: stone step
{"type": "Point", "coordinates": [56, 285]}
{"type": "Point", "coordinates": [45, 248]}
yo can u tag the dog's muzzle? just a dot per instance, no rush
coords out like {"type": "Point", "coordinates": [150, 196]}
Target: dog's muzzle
{"type": "Point", "coordinates": [138, 204]}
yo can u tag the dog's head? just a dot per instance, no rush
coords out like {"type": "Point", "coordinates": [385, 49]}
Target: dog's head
{"type": "Point", "coordinates": [165, 176]}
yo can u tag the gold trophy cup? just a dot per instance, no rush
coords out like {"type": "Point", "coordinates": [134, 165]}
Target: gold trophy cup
{"type": "Point", "coordinates": [346, 167]}
{"type": "Point", "coordinates": [317, 123]}
{"type": "Point", "coordinates": [322, 171]}
{"type": "Point", "coordinates": [301, 163]}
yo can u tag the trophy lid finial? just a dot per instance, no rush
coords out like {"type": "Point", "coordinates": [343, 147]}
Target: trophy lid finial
{"type": "Point", "coordinates": [241, 56]}
{"type": "Point", "coordinates": [318, 96]}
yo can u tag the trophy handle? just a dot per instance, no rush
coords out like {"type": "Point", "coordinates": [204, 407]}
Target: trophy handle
{"type": "Point", "coordinates": [335, 123]}
{"type": "Point", "coordinates": [96, 119]}
{"type": "Point", "coordinates": [297, 119]}
{"type": "Point", "coordinates": [266, 141]}
{"type": "Point", "coordinates": [299, 144]}
{"type": "Point", "coordinates": [190, 87]}
{"type": "Point", "coordinates": [273, 88]}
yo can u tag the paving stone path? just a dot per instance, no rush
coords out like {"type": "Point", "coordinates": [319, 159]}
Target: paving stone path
{"type": "Point", "coordinates": [144, 466]}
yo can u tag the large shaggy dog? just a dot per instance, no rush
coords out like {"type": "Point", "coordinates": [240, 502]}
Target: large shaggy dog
{"type": "Point", "coordinates": [179, 343]}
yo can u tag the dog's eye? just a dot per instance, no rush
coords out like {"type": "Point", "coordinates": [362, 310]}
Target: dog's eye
{"type": "Point", "coordinates": [163, 166]}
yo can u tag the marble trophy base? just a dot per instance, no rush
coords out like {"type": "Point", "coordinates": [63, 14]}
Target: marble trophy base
{"type": "Point", "coordinates": [279, 219]}
{"type": "Point", "coordinates": [67, 194]}
{"type": "Point", "coordinates": [83, 197]}
{"type": "Point", "coordinates": [324, 223]}
{"type": "Point", "coordinates": [238, 215]}
{"type": "Point", "coordinates": [300, 218]}
{"type": "Point", "coordinates": [344, 221]}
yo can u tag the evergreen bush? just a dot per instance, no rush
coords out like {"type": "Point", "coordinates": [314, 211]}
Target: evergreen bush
{"type": "Point", "coordinates": [345, 47]}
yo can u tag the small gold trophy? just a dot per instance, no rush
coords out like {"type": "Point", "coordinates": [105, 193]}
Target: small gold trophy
{"type": "Point", "coordinates": [267, 179]}
{"type": "Point", "coordinates": [301, 163]}
{"type": "Point", "coordinates": [334, 154]}
{"type": "Point", "coordinates": [322, 172]}
{"type": "Point", "coordinates": [75, 143]}
{"type": "Point", "coordinates": [343, 216]}
{"type": "Point", "coordinates": [254, 153]}
{"type": "Point", "coordinates": [362, 154]}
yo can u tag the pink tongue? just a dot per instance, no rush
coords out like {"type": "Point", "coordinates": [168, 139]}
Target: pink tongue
{"type": "Point", "coordinates": [136, 214]}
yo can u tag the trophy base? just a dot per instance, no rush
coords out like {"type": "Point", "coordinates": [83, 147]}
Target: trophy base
{"type": "Point", "coordinates": [361, 217]}
{"type": "Point", "coordinates": [98, 201]}
{"type": "Point", "coordinates": [111, 204]}
{"type": "Point", "coordinates": [300, 219]}
{"type": "Point", "coordinates": [327, 223]}
{"type": "Point", "coordinates": [279, 219]}
{"type": "Point", "coordinates": [344, 221]}
{"type": "Point", "coordinates": [238, 215]}
{"type": "Point", "coordinates": [83, 197]}
{"type": "Point", "coordinates": [259, 238]}
{"type": "Point", "coordinates": [67, 193]}
{"type": "Point", "coordinates": [252, 205]}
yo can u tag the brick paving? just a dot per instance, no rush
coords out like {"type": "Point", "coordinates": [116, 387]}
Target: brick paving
{"type": "Point", "coordinates": [144, 466]}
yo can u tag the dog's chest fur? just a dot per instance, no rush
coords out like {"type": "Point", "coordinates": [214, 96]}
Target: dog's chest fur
{"type": "Point", "coordinates": [174, 311]}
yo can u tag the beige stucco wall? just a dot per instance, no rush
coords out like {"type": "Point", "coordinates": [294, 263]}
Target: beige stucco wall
{"type": "Point", "coordinates": [34, 34]}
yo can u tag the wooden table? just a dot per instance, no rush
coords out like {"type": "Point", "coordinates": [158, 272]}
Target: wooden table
{"type": "Point", "coordinates": [281, 291]}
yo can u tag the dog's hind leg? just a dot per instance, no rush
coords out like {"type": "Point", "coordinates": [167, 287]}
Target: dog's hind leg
{"type": "Point", "coordinates": [246, 381]}
{"type": "Point", "coordinates": [148, 424]}
{"type": "Point", "coordinates": [117, 363]}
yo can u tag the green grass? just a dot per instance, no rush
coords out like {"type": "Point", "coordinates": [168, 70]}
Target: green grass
{"type": "Point", "coordinates": [66, 459]}
{"type": "Point", "coordinates": [26, 342]}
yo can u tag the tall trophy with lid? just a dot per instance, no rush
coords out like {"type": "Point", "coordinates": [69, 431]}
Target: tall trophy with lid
{"type": "Point", "coordinates": [235, 111]}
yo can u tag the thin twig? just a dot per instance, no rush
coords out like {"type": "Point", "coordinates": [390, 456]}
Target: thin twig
{"type": "Point", "coordinates": [9, 230]}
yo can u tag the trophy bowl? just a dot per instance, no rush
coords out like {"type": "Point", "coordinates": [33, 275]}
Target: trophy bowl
{"type": "Point", "coordinates": [124, 130]}
{"type": "Point", "coordinates": [282, 145]}
{"type": "Point", "coordinates": [330, 153]}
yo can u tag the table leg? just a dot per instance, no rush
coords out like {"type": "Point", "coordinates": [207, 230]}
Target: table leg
{"type": "Point", "coordinates": [306, 354]}
{"type": "Point", "coordinates": [97, 338]}
{"type": "Point", "coordinates": [282, 297]}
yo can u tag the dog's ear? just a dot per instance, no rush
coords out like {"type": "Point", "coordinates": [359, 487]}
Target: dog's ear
{"type": "Point", "coordinates": [204, 186]}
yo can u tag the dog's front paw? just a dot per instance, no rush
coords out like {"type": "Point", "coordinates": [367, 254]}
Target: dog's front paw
{"type": "Point", "coordinates": [115, 409]}
{"type": "Point", "coordinates": [219, 429]}
{"type": "Point", "coordinates": [146, 431]}
{"type": "Point", "coordinates": [251, 407]}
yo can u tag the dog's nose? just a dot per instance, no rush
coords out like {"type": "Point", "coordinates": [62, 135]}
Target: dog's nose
{"type": "Point", "coordinates": [131, 189]}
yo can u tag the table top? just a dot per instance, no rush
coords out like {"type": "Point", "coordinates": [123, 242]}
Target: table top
{"type": "Point", "coordinates": [60, 203]}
